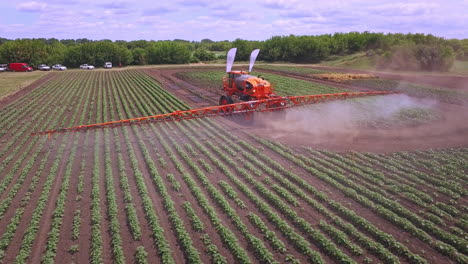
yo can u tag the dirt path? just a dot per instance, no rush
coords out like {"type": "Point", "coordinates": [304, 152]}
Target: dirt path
{"type": "Point", "coordinates": [190, 93]}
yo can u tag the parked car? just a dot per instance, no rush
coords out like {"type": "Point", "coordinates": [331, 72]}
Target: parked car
{"type": "Point", "coordinates": [59, 67]}
{"type": "Point", "coordinates": [108, 65]}
{"type": "Point", "coordinates": [43, 67]}
{"type": "Point", "coordinates": [21, 67]}
{"type": "Point", "coordinates": [86, 66]}
{"type": "Point", "coordinates": [3, 67]}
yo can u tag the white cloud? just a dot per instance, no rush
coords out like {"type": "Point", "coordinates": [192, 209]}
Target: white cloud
{"type": "Point", "coordinates": [279, 4]}
{"type": "Point", "coordinates": [231, 19]}
{"type": "Point", "coordinates": [32, 6]}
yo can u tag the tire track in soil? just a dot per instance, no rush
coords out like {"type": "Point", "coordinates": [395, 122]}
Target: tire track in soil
{"type": "Point", "coordinates": [129, 245]}
{"type": "Point", "coordinates": [107, 247]}
{"type": "Point", "coordinates": [107, 254]}
{"type": "Point", "coordinates": [146, 234]}
{"type": "Point", "coordinates": [65, 239]}
{"type": "Point", "coordinates": [157, 201]}
{"type": "Point", "coordinates": [73, 203]}
{"type": "Point", "coordinates": [189, 93]}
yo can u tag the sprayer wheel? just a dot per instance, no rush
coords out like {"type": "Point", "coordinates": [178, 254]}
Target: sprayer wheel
{"type": "Point", "coordinates": [225, 99]}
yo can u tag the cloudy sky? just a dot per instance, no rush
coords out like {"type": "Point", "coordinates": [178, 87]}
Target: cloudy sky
{"type": "Point", "coordinates": [227, 19]}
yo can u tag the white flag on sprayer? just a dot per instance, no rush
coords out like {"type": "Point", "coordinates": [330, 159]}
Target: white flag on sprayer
{"type": "Point", "coordinates": [230, 59]}
{"type": "Point", "coordinates": [253, 57]}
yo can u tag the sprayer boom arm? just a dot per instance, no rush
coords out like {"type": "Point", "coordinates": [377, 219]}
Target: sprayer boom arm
{"type": "Point", "coordinates": [264, 105]}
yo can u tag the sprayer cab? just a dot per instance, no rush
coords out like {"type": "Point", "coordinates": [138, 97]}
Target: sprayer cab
{"type": "Point", "coordinates": [246, 87]}
{"type": "Point", "coordinates": [240, 85]}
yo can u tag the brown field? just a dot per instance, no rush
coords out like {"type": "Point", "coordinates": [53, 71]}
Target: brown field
{"type": "Point", "coordinates": [263, 193]}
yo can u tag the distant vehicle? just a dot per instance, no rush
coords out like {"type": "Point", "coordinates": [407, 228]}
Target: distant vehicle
{"type": "Point", "coordinates": [3, 67]}
{"type": "Point", "coordinates": [59, 67]}
{"type": "Point", "coordinates": [43, 67]}
{"type": "Point", "coordinates": [86, 66]}
{"type": "Point", "coordinates": [108, 65]}
{"type": "Point", "coordinates": [20, 67]}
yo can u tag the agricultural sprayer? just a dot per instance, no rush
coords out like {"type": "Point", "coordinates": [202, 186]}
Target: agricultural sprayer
{"type": "Point", "coordinates": [244, 95]}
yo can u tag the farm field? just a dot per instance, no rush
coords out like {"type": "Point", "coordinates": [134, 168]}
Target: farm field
{"type": "Point", "coordinates": [213, 190]}
{"type": "Point", "coordinates": [11, 82]}
{"type": "Point", "coordinates": [452, 96]}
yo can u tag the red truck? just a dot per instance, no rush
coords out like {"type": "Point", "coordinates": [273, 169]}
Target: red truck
{"type": "Point", "coordinates": [20, 67]}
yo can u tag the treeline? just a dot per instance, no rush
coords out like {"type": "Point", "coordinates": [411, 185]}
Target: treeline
{"type": "Point", "coordinates": [399, 51]}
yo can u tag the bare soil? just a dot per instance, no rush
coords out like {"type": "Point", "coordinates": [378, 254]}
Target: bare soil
{"type": "Point", "coordinates": [449, 130]}
{"type": "Point", "coordinates": [432, 79]}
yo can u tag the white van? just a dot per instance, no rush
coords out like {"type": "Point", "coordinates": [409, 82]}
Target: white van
{"type": "Point", "coordinates": [108, 65]}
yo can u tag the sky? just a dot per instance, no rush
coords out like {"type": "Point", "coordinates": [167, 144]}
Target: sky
{"type": "Point", "coordinates": [195, 20]}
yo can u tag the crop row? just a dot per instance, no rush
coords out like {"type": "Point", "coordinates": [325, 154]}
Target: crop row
{"type": "Point", "coordinates": [158, 235]}
{"type": "Point", "coordinates": [112, 207]}
{"type": "Point", "coordinates": [32, 228]}
{"type": "Point", "coordinates": [388, 209]}
{"type": "Point", "coordinates": [399, 186]}
{"type": "Point", "coordinates": [247, 178]}
{"type": "Point", "coordinates": [224, 232]}
{"type": "Point", "coordinates": [204, 181]}
{"type": "Point", "coordinates": [157, 232]}
{"type": "Point", "coordinates": [296, 240]}
{"type": "Point", "coordinates": [42, 121]}
{"type": "Point", "coordinates": [255, 242]}
{"type": "Point", "coordinates": [197, 147]}
{"type": "Point", "coordinates": [278, 174]}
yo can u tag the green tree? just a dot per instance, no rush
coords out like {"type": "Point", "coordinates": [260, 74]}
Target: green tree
{"type": "Point", "coordinates": [72, 56]}
{"type": "Point", "coordinates": [435, 57]}
{"type": "Point", "coordinates": [31, 51]}
{"type": "Point", "coordinates": [203, 54]}
{"type": "Point", "coordinates": [56, 53]}
{"type": "Point", "coordinates": [139, 56]}
{"type": "Point", "coordinates": [167, 52]}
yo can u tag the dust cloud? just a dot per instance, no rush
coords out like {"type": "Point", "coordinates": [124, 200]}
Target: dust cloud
{"type": "Point", "coordinates": [344, 119]}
